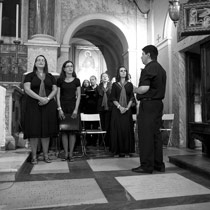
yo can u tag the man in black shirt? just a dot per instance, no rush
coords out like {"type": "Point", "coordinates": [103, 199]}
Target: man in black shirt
{"type": "Point", "coordinates": [150, 92]}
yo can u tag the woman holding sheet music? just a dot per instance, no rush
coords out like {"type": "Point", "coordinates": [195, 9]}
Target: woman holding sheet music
{"type": "Point", "coordinates": [68, 100]}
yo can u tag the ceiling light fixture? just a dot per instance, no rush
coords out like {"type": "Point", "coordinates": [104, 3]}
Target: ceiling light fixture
{"type": "Point", "coordinates": [174, 11]}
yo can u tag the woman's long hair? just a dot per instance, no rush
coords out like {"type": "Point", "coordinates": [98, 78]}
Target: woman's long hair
{"type": "Point", "coordinates": [45, 67]}
{"type": "Point", "coordinates": [63, 73]}
{"type": "Point", "coordinates": [118, 74]}
{"type": "Point", "coordinates": [83, 83]}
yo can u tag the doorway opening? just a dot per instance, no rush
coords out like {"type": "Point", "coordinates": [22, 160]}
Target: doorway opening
{"type": "Point", "coordinates": [198, 96]}
{"type": "Point", "coordinates": [194, 102]}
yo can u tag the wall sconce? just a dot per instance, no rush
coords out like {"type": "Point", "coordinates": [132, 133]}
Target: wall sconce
{"type": "Point", "coordinates": [174, 11]}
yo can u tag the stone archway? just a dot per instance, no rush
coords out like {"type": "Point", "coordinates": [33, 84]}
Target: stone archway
{"type": "Point", "coordinates": [103, 31]}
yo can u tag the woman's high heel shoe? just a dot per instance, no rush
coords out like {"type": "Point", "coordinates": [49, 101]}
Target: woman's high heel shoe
{"type": "Point", "coordinates": [34, 161]}
{"type": "Point", "coordinates": [64, 158]}
{"type": "Point", "coordinates": [47, 160]}
{"type": "Point", "coordinates": [71, 159]}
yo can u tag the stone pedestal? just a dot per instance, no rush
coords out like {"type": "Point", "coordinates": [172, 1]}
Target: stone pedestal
{"type": "Point", "coordinates": [42, 44]}
{"type": "Point", "coordinates": [10, 102]}
{"type": "Point", "coordinates": [2, 117]}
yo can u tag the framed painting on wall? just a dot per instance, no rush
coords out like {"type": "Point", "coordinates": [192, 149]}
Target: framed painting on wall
{"type": "Point", "coordinates": [195, 19]}
{"type": "Point", "coordinates": [89, 61]}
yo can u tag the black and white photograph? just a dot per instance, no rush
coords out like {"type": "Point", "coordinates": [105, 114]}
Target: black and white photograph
{"type": "Point", "coordinates": [104, 104]}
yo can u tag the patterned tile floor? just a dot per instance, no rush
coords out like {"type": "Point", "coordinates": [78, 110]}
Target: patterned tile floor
{"type": "Point", "coordinates": [105, 183]}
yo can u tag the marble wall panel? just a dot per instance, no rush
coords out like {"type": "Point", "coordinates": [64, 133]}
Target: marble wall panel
{"type": "Point", "coordinates": [178, 95]}
{"type": "Point", "coordinates": [182, 100]}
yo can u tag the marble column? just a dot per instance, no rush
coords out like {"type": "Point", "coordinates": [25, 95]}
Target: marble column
{"type": "Point", "coordinates": [131, 61]}
{"type": "Point", "coordinates": [41, 15]}
{"type": "Point", "coordinates": [41, 33]}
{"type": "Point", "coordinates": [66, 53]}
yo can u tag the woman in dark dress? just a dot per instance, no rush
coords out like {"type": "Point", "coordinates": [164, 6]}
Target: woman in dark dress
{"type": "Point", "coordinates": [91, 108]}
{"type": "Point", "coordinates": [84, 96]}
{"type": "Point", "coordinates": [122, 131]}
{"type": "Point", "coordinates": [92, 96]}
{"type": "Point", "coordinates": [40, 114]}
{"type": "Point", "coordinates": [85, 86]}
{"type": "Point", "coordinates": [68, 100]}
{"type": "Point", "coordinates": [104, 105]}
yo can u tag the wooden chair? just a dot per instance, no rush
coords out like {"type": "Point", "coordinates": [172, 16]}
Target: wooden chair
{"type": "Point", "coordinates": [88, 131]}
{"type": "Point", "coordinates": [168, 121]}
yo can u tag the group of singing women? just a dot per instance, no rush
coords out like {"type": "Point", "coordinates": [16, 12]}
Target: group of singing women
{"type": "Point", "coordinates": [49, 100]}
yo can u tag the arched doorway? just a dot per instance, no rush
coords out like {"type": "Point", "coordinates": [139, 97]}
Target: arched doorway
{"type": "Point", "coordinates": [100, 37]}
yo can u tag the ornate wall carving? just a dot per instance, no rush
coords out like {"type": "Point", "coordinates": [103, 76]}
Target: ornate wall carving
{"type": "Point", "coordinates": [8, 72]}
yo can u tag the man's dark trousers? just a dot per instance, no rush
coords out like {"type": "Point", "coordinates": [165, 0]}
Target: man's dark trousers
{"type": "Point", "coordinates": [150, 141]}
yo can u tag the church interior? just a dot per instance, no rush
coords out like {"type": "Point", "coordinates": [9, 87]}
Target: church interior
{"type": "Point", "coordinates": [99, 36]}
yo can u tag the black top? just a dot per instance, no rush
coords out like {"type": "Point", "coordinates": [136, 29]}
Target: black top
{"type": "Point", "coordinates": [153, 75]}
{"type": "Point", "coordinates": [68, 95]}
{"type": "Point", "coordinates": [68, 89]}
{"type": "Point", "coordinates": [91, 100]}
{"type": "Point", "coordinates": [116, 89]}
{"type": "Point", "coordinates": [49, 81]}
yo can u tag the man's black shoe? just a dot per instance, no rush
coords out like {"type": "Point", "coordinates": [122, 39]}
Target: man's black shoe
{"type": "Point", "coordinates": [121, 155]}
{"type": "Point", "coordinates": [141, 170]}
{"type": "Point", "coordinates": [134, 169]}
{"type": "Point", "coordinates": [161, 169]}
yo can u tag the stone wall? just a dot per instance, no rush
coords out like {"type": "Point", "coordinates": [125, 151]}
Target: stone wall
{"type": "Point", "coordinates": [123, 10]}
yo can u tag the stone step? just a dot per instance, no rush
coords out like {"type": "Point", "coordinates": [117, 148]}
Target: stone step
{"type": "Point", "coordinates": [197, 163]}
{"type": "Point", "coordinates": [11, 163]}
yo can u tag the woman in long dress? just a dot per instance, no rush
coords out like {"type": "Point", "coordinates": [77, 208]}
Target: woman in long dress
{"type": "Point", "coordinates": [84, 96]}
{"type": "Point", "coordinates": [122, 131]}
{"type": "Point", "coordinates": [40, 113]}
{"type": "Point", "coordinates": [68, 100]}
{"type": "Point", "coordinates": [104, 105]}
